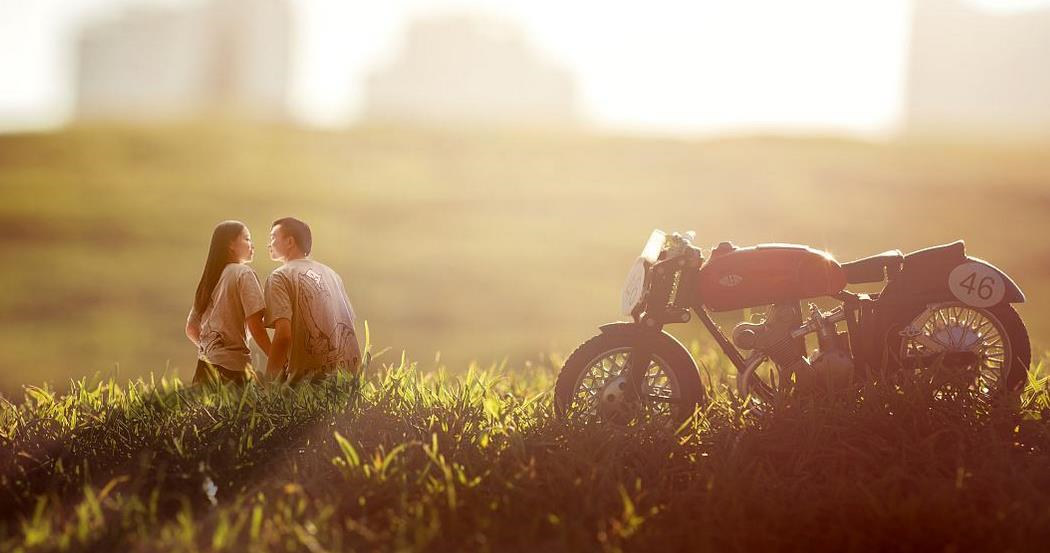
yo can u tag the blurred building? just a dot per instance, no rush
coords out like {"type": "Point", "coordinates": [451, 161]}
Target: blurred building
{"type": "Point", "coordinates": [464, 70]}
{"type": "Point", "coordinates": [225, 58]}
{"type": "Point", "coordinates": [978, 71]}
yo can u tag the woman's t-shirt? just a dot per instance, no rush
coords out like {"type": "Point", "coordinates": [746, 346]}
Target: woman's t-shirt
{"type": "Point", "coordinates": [224, 338]}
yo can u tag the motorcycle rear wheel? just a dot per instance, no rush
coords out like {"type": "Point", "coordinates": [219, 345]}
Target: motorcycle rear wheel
{"type": "Point", "coordinates": [591, 383]}
{"type": "Point", "coordinates": [996, 336]}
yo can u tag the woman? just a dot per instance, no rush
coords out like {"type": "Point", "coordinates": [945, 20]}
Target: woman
{"type": "Point", "coordinates": [229, 299]}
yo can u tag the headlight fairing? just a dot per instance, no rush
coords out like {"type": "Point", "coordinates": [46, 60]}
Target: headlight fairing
{"type": "Point", "coordinates": [653, 246]}
{"type": "Point", "coordinates": [634, 286]}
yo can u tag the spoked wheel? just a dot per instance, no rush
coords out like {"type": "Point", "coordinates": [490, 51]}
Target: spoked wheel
{"type": "Point", "coordinates": [958, 347]}
{"type": "Point", "coordinates": [593, 385]}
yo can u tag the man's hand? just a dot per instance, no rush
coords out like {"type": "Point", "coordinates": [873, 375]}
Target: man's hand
{"type": "Point", "coordinates": [279, 348]}
{"type": "Point", "coordinates": [355, 357]}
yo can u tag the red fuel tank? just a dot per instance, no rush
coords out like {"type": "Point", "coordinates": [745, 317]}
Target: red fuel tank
{"type": "Point", "coordinates": [735, 278]}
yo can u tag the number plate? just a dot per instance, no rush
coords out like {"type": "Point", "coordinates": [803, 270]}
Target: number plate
{"type": "Point", "coordinates": [976, 284]}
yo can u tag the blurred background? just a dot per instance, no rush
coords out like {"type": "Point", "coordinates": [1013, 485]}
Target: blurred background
{"type": "Point", "coordinates": [482, 173]}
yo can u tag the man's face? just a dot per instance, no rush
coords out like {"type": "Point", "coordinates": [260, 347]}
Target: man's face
{"type": "Point", "coordinates": [279, 243]}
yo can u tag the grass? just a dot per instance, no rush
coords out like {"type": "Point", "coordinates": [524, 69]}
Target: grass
{"type": "Point", "coordinates": [414, 461]}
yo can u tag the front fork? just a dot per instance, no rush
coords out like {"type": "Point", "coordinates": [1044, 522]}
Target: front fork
{"type": "Point", "coordinates": [640, 358]}
{"type": "Point", "coordinates": [638, 361]}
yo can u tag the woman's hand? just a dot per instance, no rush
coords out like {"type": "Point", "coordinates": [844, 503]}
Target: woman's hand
{"type": "Point", "coordinates": [258, 332]}
{"type": "Point", "coordinates": [279, 350]}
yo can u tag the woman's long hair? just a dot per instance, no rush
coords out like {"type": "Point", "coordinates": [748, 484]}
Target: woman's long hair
{"type": "Point", "coordinates": [218, 258]}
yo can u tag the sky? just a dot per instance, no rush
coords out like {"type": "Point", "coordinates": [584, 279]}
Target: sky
{"type": "Point", "coordinates": [699, 66]}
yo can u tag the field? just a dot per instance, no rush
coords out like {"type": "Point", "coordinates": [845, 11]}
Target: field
{"type": "Point", "coordinates": [475, 244]}
{"type": "Point", "coordinates": [430, 462]}
{"type": "Point", "coordinates": [486, 256]}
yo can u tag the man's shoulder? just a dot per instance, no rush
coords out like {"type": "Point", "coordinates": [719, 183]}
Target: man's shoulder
{"type": "Point", "coordinates": [280, 274]}
{"type": "Point", "coordinates": [314, 266]}
{"type": "Point", "coordinates": [308, 267]}
{"type": "Point", "coordinates": [320, 267]}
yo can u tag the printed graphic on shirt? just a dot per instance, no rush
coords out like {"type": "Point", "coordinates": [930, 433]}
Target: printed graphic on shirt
{"type": "Point", "coordinates": [211, 341]}
{"type": "Point", "coordinates": [327, 340]}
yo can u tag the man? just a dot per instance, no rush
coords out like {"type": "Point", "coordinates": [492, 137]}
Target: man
{"type": "Point", "coordinates": [308, 309]}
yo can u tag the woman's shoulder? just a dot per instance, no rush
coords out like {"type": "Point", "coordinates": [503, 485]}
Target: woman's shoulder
{"type": "Point", "coordinates": [235, 270]}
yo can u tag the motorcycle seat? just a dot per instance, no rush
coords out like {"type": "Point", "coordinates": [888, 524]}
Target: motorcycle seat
{"type": "Point", "coordinates": [875, 268]}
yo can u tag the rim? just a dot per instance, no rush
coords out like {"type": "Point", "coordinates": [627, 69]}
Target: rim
{"type": "Point", "coordinates": [661, 386]}
{"type": "Point", "coordinates": [957, 328]}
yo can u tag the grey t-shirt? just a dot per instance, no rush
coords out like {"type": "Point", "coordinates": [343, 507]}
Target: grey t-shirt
{"type": "Point", "coordinates": [311, 296]}
{"type": "Point", "coordinates": [236, 297]}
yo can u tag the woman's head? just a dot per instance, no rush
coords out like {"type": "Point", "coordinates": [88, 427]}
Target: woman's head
{"type": "Point", "coordinates": [241, 248]}
{"type": "Point", "coordinates": [230, 243]}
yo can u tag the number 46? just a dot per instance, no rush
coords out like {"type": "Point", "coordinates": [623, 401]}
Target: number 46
{"type": "Point", "coordinates": [984, 288]}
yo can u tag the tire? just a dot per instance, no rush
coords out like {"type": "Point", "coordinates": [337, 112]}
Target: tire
{"type": "Point", "coordinates": [1016, 354]}
{"type": "Point", "coordinates": [671, 374]}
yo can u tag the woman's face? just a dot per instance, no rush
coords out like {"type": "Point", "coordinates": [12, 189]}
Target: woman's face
{"type": "Point", "coordinates": [242, 248]}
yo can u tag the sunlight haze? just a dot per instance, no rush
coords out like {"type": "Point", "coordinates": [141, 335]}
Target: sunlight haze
{"type": "Point", "coordinates": [677, 67]}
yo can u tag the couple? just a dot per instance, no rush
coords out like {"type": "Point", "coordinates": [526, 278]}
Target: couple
{"type": "Point", "coordinates": [304, 302]}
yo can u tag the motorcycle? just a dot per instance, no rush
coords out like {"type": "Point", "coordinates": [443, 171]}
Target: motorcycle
{"type": "Point", "coordinates": [939, 311]}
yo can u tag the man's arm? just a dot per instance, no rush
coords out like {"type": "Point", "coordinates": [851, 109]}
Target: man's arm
{"type": "Point", "coordinates": [355, 359]}
{"type": "Point", "coordinates": [355, 355]}
{"type": "Point", "coordinates": [279, 348]}
{"type": "Point", "coordinates": [258, 331]}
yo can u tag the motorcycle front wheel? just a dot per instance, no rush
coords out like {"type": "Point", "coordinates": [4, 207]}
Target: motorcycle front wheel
{"type": "Point", "coordinates": [593, 387]}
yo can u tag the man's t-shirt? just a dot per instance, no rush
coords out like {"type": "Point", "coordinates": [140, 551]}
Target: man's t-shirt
{"type": "Point", "coordinates": [311, 296]}
{"type": "Point", "coordinates": [236, 297]}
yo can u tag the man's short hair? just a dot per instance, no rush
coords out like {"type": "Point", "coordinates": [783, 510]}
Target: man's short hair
{"type": "Point", "coordinates": [298, 230]}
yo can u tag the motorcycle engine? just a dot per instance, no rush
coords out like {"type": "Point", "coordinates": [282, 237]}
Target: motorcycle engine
{"type": "Point", "coordinates": [832, 359]}
{"type": "Point", "coordinates": [772, 335]}
{"type": "Point", "coordinates": [830, 364]}
{"type": "Point", "coordinates": [764, 333]}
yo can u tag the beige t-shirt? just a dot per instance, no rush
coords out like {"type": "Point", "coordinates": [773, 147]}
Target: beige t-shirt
{"type": "Point", "coordinates": [236, 297]}
{"type": "Point", "coordinates": [311, 296]}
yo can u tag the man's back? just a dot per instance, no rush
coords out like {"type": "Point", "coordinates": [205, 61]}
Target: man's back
{"type": "Point", "coordinates": [311, 296]}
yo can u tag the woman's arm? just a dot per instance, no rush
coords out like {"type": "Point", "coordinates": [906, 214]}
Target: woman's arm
{"type": "Point", "coordinates": [258, 332]}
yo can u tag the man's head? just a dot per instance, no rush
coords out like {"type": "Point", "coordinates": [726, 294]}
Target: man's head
{"type": "Point", "coordinates": [290, 239]}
